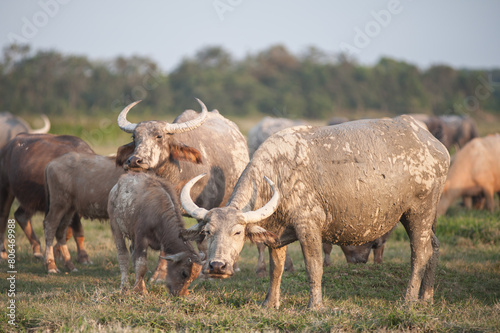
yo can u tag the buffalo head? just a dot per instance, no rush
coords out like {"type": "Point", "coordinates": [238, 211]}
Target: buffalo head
{"type": "Point", "coordinates": [154, 142]}
{"type": "Point", "coordinates": [226, 229]}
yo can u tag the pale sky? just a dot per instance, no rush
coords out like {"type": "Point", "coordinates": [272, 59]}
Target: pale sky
{"type": "Point", "coordinates": [453, 32]}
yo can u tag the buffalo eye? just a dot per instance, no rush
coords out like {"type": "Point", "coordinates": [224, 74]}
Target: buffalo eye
{"type": "Point", "coordinates": [159, 136]}
{"type": "Point", "coordinates": [237, 233]}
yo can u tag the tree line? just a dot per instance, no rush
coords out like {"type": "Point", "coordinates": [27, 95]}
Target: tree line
{"type": "Point", "coordinates": [312, 84]}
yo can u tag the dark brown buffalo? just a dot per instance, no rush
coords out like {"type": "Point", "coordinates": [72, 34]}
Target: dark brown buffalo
{"type": "Point", "coordinates": [451, 130]}
{"type": "Point", "coordinates": [194, 143]}
{"type": "Point", "coordinates": [10, 126]}
{"type": "Point", "coordinates": [22, 165]}
{"type": "Point", "coordinates": [76, 183]}
{"type": "Point", "coordinates": [144, 208]}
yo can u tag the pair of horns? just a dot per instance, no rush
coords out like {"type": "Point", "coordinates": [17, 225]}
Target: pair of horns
{"type": "Point", "coordinates": [249, 217]}
{"type": "Point", "coordinates": [129, 127]}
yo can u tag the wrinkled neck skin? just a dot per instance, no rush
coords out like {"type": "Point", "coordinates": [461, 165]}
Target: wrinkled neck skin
{"type": "Point", "coordinates": [253, 192]}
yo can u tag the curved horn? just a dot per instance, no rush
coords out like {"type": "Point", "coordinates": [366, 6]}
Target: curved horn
{"type": "Point", "coordinates": [45, 128]}
{"type": "Point", "coordinates": [191, 124]}
{"type": "Point", "coordinates": [123, 123]}
{"type": "Point", "coordinates": [267, 210]}
{"type": "Point", "coordinates": [187, 203]}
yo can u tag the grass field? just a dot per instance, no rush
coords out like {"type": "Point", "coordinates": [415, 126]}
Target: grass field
{"type": "Point", "coordinates": [356, 297]}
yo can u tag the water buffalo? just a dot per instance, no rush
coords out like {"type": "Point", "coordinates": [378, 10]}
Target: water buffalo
{"type": "Point", "coordinates": [458, 130]}
{"type": "Point", "coordinates": [22, 165]}
{"type": "Point", "coordinates": [474, 171]}
{"type": "Point", "coordinates": [10, 126]}
{"type": "Point", "coordinates": [353, 254]}
{"type": "Point", "coordinates": [75, 183]}
{"type": "Point", "coordinates": [194, 143]}
{"type": "Point", "coordinates": [144, 208]}
{"type": "Point", "coordinates": [346, 184]}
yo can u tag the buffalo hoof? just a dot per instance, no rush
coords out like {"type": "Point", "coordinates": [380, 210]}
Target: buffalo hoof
{"type": "Point", "coordinates": [70, 267]}
{"type": "Point", "coordinates": [54, 271]}
{"type": "Point", "coordinates": [140, 289]}
{"type": "Point", "coordinates": [51, 267]}
{"type": "Point", "coordinates": [261, 273]}
{"type": "Point", "coordinates": [84, 260]}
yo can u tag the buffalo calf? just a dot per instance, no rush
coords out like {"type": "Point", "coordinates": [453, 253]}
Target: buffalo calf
{"type": "Point", "coordinates": [145, 209]}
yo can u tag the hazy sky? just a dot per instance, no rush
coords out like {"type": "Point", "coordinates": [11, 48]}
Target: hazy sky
{"type": "Point", "coordinates": [454, 32]}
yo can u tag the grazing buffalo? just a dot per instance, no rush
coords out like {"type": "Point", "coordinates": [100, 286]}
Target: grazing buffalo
{"type": "Point", "coordinates": [458, 130]}
{"type": "Point", "coordinates": [354, 254]}
{"type": "Point", "coordinates": [75, 183]}
{"type": "Point", "coordinates": [347, 184]}
{"type": "Point", "coordinates": [194, 143]}
{"type": "Point", "coordinates": [474, 171]}
{"type": "Point", "coordinates": [144, 208]}
{"type": "Point", "coordinates": [22, 167]}
{"type": "Point", "coordinates": [10, 126]}
{"type": "Point", "coordinates": [451, 130]}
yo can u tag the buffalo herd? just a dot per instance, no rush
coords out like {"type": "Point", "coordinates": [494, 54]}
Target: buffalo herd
{"type": "Point", "coordinates": [348, 184]}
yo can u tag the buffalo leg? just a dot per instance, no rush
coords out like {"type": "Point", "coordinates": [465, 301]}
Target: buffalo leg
{"type": "Point", "coordinates": [490, 199]}
{"type": "Point", "coordinates": [261, 261]}
{"type": "Point", "coordinates": [55, 220]}
{"type": "Point", "coordinates": [378, 254]}
{"type": "Point", "coordinates": [61, 241]}
{"type": "Point", "coordinates": [289, 263]}
{"type": "Point", "coordinates": [160, 274]}
{"type": "Point", "coordinates": [140, 264]}
{"type": "Point", "coordinates": [123, 256]}
{"type": "Point", "coordinates": [77, 228]}
{"type": "Point", "coordinates": [6, 200]}
{"type": "Point", "coordinates": [312, 251]}
{"type": "Point", "coordinates": [276, 267]}
{"type": "Point", "coordinates": [424, 257]}
{"type": "Point", "coordinates": [327, 249]}
{"type": "Point", "coordinates": [24, 220]}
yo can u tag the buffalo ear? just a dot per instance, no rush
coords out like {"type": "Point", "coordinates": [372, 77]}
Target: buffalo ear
{"type": "Point", "coordinates": [174, 257]}
{"type": "Point", "coordinates": [258, 234]}
{"type": "Point", "coordinates": [123, 153]}
{"type": "Point", "coordinates": [193, 233]}
{"type": "Point", "coordinates": [181, 152]}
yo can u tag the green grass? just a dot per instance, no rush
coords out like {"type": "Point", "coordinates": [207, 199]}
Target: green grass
{"type": "Point", "coordinates": [356, 297]}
